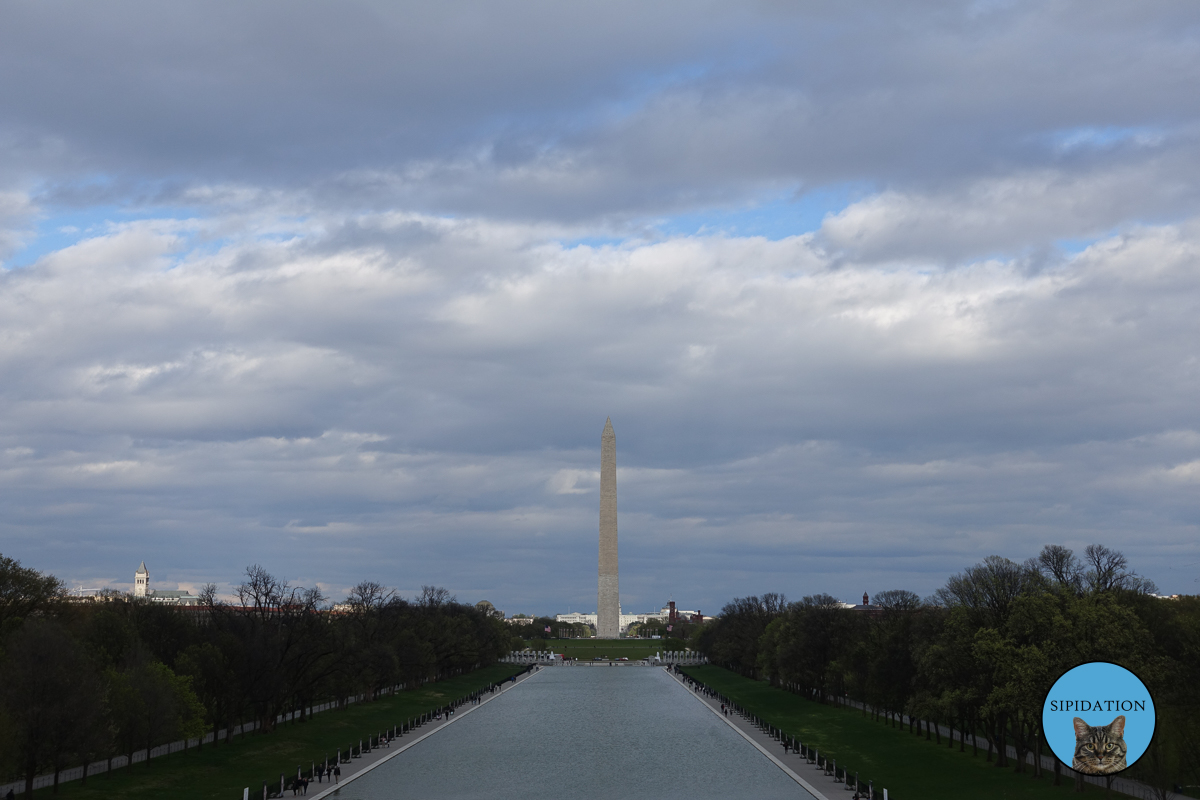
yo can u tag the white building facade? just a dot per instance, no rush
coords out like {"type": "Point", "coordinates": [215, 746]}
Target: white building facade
{"type": "Point", "coordinates": [626, 619]}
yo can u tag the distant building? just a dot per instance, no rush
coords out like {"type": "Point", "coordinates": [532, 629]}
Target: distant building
{"type": "Point", "coordinates": [174, 598]}
{"type": "Point", "coordinates": [141, 581]}
{"type": "Point", "coordinates": [866, 607]}
{"type": "Point", "coordinates": [668, 614]}
{"type": "Point", "coordinates": [487, 608]}
{"type": "Point", "coordinates": [82, 595]}
{"type": "Point", "coordinates": [141, 588]}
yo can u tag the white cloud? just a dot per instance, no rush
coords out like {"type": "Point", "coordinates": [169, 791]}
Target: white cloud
{"type": "Point", "coordinates": [566, 481]}
{"type": "Point", "coordinates": [1004, 215]}
{"type": "Point", "coordinates": [16, 218]}
{"type": "Point", "coordinates": [374, 396]}
{"type": "Point", "coordinates": [1185, 473]}
{"type": "Point", "coordinates": [353, 296]}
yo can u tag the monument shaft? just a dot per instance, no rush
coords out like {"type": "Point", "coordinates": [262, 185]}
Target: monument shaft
{"type": "Point", "coordinates": [608, 604]}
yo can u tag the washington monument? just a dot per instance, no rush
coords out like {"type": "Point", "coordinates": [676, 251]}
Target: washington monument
{"type": "Point", "coordinates": [608, 604]}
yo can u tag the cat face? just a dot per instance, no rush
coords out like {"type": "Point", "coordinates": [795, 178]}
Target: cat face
{"type": "Point", "coordinates": [1099, 750]}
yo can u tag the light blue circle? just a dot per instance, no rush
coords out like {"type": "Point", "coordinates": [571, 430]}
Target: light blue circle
{"type": "Point", "coordinates": [1098, 693]}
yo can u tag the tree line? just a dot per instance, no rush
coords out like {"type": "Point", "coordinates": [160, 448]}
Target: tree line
{"type": "Point", "coordinates": [81, 682]}
{"type": "Point", "coordinates": [536, 629]}
{"type": "Point", "coordinates": [980, 655]}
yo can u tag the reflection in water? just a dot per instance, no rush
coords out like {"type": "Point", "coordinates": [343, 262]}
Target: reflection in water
{"type": "Point", "coordinates": [582, 732]}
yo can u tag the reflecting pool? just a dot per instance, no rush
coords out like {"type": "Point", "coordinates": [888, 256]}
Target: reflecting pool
{"type": "Point", "coordinates": [582, 732]}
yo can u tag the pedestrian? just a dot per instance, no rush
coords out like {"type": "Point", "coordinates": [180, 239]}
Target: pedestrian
{"type": "Point", "coordinates": [337, 773]}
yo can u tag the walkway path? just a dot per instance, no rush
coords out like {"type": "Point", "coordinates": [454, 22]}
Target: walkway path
{"type": "Point", "coordinates": [373, 758]}
{"type": "Point", "coordinates": [810, 776]}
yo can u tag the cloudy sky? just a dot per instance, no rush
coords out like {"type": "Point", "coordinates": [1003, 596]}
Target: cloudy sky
{"type": "Point", "coordinates": [870, 291]}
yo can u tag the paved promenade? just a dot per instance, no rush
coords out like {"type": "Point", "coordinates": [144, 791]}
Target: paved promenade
{"type": "Point", "coordinates": [370, 760]}
{"type": "Point", "coordinates": [811, 777]}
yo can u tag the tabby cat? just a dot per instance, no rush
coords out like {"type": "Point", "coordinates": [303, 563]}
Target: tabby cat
{"type": "Point", "coordinates": [1099, 750]}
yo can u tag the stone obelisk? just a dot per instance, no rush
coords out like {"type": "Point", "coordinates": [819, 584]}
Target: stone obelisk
{"type": "Point", "coordinates": [608, 603]}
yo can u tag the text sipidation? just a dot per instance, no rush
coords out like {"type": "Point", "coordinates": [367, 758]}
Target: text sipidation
{"type": "Point", "coordinates": [1097, 705]}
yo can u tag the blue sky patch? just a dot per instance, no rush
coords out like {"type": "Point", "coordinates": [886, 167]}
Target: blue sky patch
{"type": "Point", "coordinates": [775, 218]}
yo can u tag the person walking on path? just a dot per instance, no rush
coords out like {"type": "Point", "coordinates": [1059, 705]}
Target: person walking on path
{"type": "Point", "coordinates": [337, 773]}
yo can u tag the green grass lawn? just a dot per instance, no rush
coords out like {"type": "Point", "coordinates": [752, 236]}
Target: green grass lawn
{"type": "Point", "coordinates": [220, 773]}
{"type": "Point", "coordinates": [905, 763]}
{"type": "Point", "coordinates": [586, 649]}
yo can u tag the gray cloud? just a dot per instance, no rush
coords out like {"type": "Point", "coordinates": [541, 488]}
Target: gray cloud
{"type": "Point", "coordinates": [345, 410]}
{"type": "Point", "coordinates": [1024, 209]}
{"type": "Point", "coordinates": [328, 309]}
{"type": "Point", "coordinates": [537, 110]}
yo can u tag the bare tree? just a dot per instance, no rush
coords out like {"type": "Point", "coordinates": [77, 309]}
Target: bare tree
{"type": "Point", "coordinates": [774, 603]}
{"type": "Point", "coordinates": [1059, 565]}
{"type": "Point", "coordinates": [988, 589]}
{"type": "Point", "coordinates": [435, 597]}
{"type": "Point", "coordinates": [820, 601]}
{"type": "Point", "coordinates": [262, 592]}
{"type": "Point", "coordinates": [208, 595]}
{"type": "Point", "coordinates": [898, 600]}
{"type": "Point", "coordinates": [370, 596]}
{"type": "Point", "coordinates": [286, 643]}
{"type": "Point", "coordinates": [1108, 570]}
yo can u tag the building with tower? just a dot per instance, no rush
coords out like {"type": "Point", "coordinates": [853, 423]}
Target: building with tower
{"type": "Point", "coordinates": [141, 581]}
{"type": "Point", "coordinates": [141, 588]}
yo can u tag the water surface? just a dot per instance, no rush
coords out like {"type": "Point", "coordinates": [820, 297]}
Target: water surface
{"type": "Point", "coordinates": [583, 732]}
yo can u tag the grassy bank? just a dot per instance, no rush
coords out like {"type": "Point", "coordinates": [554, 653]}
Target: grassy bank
{"type": "Point", "coordinates": [905, 763]}
{"type": "Point", "coordinates": [220, 773]}
{"type": "Point", "coordinates": [587, 649]}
